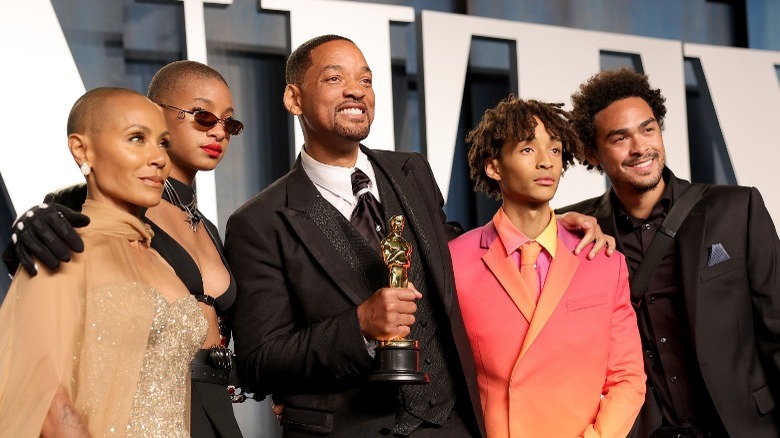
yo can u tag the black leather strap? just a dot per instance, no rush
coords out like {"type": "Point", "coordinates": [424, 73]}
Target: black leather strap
{"type": "Point", "coordinates": [209, 300]}
{"type": "Point", "coordinates": [667, 231]}
{"type": "Point", "coordinates": [202, 370]}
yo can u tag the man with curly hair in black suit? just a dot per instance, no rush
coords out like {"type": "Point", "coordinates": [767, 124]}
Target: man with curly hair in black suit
{"type": "Point", "coordinates": [709, 315]}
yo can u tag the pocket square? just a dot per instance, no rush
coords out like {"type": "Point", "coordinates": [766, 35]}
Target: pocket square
{"type": "Point", "coordinates": [718, 254]}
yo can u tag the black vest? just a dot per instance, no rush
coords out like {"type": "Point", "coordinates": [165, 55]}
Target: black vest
{"type": "Point", "coordinates": [432, 402]}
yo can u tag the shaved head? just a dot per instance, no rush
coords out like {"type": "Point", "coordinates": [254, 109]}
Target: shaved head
{"type": "Point", "coordinates": [178, 75]}
{"type": "Point", "coordinates": [91, 108]}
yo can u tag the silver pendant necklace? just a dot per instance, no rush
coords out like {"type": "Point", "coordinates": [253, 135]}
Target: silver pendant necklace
{"type": "Point", "coordinates": [190, 209]}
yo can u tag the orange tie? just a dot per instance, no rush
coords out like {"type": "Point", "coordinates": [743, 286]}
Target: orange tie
{"type": "Point", "coordinates": [528, 254]}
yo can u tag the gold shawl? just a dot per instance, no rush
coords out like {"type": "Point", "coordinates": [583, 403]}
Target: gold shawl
{"type": "Point", "coordinates": [84, 326]}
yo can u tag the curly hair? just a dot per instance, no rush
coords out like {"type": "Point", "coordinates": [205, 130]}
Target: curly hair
{"type": "Point", "coordinates": [513, 119]}
{"type": "Point", "coordinates": [600, 91]}
{"type": "Point", "coordinates": [300, 59]}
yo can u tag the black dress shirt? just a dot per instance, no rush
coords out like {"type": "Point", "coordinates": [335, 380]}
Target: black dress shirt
{"type": "Point", "coordinates": [670, 359]}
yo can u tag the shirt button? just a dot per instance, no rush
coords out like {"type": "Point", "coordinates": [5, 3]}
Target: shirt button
{"type": "Point", "coordinates": [651, 300]}
{"type": "Point", "coordinates": [424, 324]}
{"type": "Point", "coordinates": [427, 361]}
{"type": "Point", "coordinates": [663, 340]}
{"type": "Point", "coordinates": [432, 402]}
{"type": "Point", "coordinates": [673, 379]}
{"type": "Point", "coordinates": [649, 354]}
{"type": "Point", "coordinates": [647, 226]}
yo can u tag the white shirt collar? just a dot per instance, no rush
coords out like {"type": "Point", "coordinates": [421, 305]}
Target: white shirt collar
{"type": "Point", "coordinates": [337, 180]}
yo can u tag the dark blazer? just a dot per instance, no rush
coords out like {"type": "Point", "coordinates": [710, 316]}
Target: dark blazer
{"type": "Point", "coordinates": [295, 323]}
{"type": "Point", "coordinates": [733, 307]}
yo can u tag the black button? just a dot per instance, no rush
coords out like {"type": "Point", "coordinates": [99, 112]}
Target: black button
{"type": "Point", "coordinates": [427, 361]}
{"type": "Point", "coordinates": [652, 300]}
{"type": "Point", "coordinates": [663, 340]}
{"type": "Point", "coordinates": [411, 406]}
{"type": "Point", "coordinates": [432, 402]}
{"type": "Point", "coordinates": [385, 431]}
{"type": "Point", "coordinates": [647, 226]}
{"type": "Point", "coordinates": [673, 379]}
{"type": "Point", "coordinates": [424, 324]}
{"type": "Point", "coordinates": [649, 353]}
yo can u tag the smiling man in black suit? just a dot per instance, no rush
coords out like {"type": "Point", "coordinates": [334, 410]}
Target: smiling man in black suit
{"type": "Point", "coordinates": [709, 313]}
{"type": "Point", "coordinates": [313, 291]}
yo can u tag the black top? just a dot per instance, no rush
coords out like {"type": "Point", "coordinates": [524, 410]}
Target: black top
{"type": "Point", "coordinates": [669, 356]}
{"type": "Point", "coordinates": [181, 195]}
{"type": "Point", "coordinates": [188, 271]}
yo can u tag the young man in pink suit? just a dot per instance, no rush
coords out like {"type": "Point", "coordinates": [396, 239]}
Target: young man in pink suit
{"type": "Point", "coordinates": [553, 334]}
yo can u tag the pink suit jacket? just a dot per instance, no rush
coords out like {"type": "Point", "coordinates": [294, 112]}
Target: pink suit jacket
{"type": "Point", "coordinates": [570, 367]}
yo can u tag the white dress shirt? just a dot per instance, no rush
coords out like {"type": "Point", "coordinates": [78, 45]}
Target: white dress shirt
{"type": "Point", "coordinates": [335, 182]}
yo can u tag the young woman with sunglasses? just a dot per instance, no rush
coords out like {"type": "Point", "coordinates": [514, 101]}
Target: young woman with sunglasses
{"type": "Point", "coordinates": [198, 108]}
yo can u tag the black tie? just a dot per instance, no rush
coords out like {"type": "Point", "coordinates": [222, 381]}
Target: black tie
{"type": "Point", "coordinates": [368, 217]}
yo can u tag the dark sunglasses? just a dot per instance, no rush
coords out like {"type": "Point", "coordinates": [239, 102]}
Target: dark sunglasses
{"type": "Point", "coordinates": [209, 120]}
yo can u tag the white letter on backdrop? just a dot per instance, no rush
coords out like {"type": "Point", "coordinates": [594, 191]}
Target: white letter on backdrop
{"type": "Point", "coordinates": [552, 62]}
{"type": "Point", "coordinates": [41, 84]}
{"type": "Point", "coordinates": [745, 92]}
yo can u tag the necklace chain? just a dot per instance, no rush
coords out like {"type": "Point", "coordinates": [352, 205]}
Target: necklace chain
{"type": "Point", "coordinates": [191, 210]}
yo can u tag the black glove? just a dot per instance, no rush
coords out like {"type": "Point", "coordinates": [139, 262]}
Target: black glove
{"type": "Point", "coordinates": [46, 233]}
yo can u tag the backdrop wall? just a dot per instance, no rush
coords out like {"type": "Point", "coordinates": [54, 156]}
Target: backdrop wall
{"type": "Point", "coordinates": [438, 65]}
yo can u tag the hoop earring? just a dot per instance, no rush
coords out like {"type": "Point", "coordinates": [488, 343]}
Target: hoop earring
{"type": "Point", "coordinates": [86, 169]}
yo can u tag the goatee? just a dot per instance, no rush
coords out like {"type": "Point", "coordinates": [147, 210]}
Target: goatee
{"type": "Point", "coordinates": [352, 134]}
{"type": "Point", "coordinates": [646, 186]}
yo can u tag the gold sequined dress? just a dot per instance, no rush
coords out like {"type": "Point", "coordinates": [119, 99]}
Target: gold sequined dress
{"type": "Point", "coordinates": [117, 346]}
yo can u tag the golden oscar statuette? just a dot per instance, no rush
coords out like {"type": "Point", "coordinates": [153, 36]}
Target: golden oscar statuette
{"type": "Point", "coordinates": [398, 360]}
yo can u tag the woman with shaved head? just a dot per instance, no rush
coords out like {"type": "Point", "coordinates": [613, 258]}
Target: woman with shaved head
{"type": "Point", "coordinates": [103, 345]}
{"type": "Point", "coordinates": [198, 109]}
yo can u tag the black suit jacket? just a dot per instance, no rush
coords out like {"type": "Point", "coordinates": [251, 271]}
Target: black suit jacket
{"type": "Point", "coordinates": [733, 307]}
{"type": "Point", "coordinates": [295, 323]}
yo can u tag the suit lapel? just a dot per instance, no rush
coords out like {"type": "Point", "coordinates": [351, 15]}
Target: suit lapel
{"type": "Point", "coordinates": [690, 241]}
{"type": "Point", "coordinates": [605, 215]}
{"type": "Point", "coordinates": [562, 269]}
{"type": "Point", "coordinates": [505, 270]}
{"type": "Point", "coordinates": [399, 174]}
{"type": "Point", "coordinates": [302, 198]}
